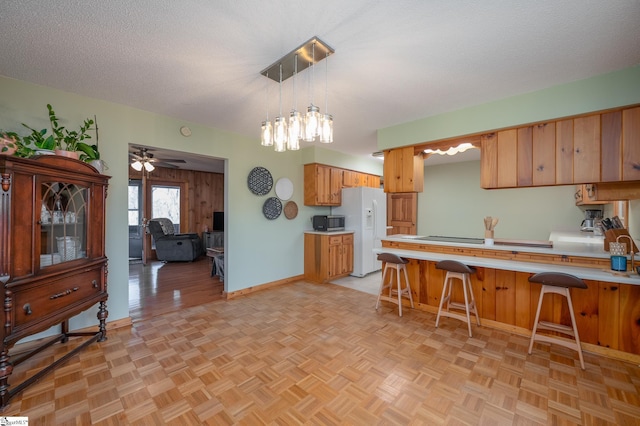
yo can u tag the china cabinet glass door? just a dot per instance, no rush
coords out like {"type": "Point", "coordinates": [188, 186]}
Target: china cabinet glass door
{"type": "Point", "coordinates": [63, 224]}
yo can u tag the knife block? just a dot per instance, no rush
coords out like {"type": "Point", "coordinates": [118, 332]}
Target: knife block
{"type": "Point", "coordinates": [611, 235]}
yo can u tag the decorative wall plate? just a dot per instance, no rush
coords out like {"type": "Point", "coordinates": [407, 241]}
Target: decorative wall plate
{"type": "Point", "coordinates": [290, 210]}
{"type": "Point", "coordinates": [260, 181]}
{"type": "Point", "coordinates": [284, 188]}
{"type": "Point", "coordinates": [272, 208]}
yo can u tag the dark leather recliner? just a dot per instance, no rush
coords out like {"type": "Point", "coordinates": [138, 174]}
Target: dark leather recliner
{"type": "Point", "coordinates": [172, 247]}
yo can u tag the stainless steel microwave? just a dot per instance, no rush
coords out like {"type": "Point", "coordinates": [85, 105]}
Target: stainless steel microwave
{"type": "Point", "coordinates": [328, 223]}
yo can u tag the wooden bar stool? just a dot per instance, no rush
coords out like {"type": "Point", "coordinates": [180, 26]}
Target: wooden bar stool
{"type": "Point", "coordinates": [398, 263]}
{"type": "Point", "coordinates": [462, 272]}
{"type": "Point", "coordinates": [557, 283]}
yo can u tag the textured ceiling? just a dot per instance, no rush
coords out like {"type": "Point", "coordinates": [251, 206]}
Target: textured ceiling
{"type": "Point", "coordinates": [395, 61]}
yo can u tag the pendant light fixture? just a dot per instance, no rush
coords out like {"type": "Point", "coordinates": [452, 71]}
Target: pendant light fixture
{"type": "Point", "coordinates": [311, 119]}
{"type": "Point", "coordinates": [280, 128]}
{"type": "Point", "coordinates": [326, 120]}
{"type": "Point", "coordinates": [266, 135]}
{"type": "Point", "coordinates": [295, 118]}
{"type": "Point", "coordinates": [286, 134]}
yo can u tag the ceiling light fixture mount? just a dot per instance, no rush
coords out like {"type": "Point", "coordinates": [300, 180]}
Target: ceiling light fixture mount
{"type": "Point", "coordinates": [291, 65]}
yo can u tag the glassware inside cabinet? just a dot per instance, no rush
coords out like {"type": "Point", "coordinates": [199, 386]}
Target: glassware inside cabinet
{"type": "Point", "coordinates": [63, 224]}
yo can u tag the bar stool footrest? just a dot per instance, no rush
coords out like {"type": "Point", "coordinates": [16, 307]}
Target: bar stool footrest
{"type": "Point", "coordinates": [571, 344]}
{"type": "Point", "coordinates": [454, 315]}
{"type": "Point", "coordinates": [559, 328]}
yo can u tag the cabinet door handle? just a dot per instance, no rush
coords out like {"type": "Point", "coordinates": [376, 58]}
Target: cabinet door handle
{"type": "Point", "coordinates": [27, 309]}
{"type": "Point", "coordinates": [94, 283]}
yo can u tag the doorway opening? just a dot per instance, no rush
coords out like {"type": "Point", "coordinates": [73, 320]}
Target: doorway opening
{"type": "Point", "coordinates": [190, 190]}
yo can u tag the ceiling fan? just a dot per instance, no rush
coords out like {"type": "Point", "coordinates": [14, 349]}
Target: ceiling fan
{"type": "Point", "coordinates": [142, 158]}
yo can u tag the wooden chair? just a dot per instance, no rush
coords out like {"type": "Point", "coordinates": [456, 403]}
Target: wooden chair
{"type": "Point", "coordinates": [557, 283]}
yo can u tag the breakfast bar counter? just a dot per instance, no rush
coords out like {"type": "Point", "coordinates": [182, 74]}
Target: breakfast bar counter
{"type": "Point", "coordinates": [608, 311]}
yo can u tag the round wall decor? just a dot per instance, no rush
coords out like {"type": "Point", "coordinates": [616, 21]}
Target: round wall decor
{"type": "Point", "coordinates": [290, 210]}
{"type": "Point", "coordinates": [260, 181]}
{"type": "Point", "coordinates": [284, 188]}
{"type": "Point", "coordinates": [272, 208]}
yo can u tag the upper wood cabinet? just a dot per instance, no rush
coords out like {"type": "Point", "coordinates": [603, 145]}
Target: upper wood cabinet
{"type": "Point", "coordinates": [544, 154]}
{"type": "Point", "coordinates": [403, 170]}
{"type": "Point", "coordinates": [603, 147]}
{"type": "Point", "coordinates": [606, 192]}
{"type": "Point", "coordinates": [611, 147]}
{"type": "Point", "coordinates": [506, 159]}
{"type": "Point", "coordinates": [323, 184]}
{"type": "Point", "coordinates": [586, 149]}
{"type": "Point", "coordinates": [631, 144]}
{"type": "Point", "coordinates": [352, 179]}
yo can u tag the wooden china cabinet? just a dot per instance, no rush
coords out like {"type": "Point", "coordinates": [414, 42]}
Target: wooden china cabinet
{"type": "Point", "coordinates": [52, 255]}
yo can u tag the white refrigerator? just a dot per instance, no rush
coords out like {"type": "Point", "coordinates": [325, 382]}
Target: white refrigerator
{"type": "Point", "coordinates": [365, 211]}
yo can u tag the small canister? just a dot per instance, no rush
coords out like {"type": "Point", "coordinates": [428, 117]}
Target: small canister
{"type": "Point", "coordinates": [618, 253]}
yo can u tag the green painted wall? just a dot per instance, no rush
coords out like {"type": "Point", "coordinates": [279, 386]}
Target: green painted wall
{"type": "Point", "coordinates": [258, 250]}
{"type": "Point", "coordinates": [602, 92]}
{"type": "Point", "coordinates": [453, 204]}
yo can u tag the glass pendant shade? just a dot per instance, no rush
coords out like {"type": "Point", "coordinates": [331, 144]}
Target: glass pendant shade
{"type": "Point", "coordinates": [136, 165]}
{"type": "Point", "coordinates": [295, 130]}
{"type": "Point", "coordinates": [267, 134]}
{"type": "Point", "coordinates": [326, 128]}
{"type": "Point", "coordinates": [280, 134]}
{"type": "Point", "coordinates": [287, 130]}
{"type": "Point", "coordinates": [311, 123]}
{"type": "Point", "coordinates": [148, 166]}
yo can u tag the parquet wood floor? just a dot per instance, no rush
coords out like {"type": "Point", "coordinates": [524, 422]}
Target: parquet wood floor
{"type": "Point", "coordinates": [315, 354]}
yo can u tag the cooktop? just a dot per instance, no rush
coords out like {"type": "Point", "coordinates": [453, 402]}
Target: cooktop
{"type": "Point", "coordinates": [465, 240]}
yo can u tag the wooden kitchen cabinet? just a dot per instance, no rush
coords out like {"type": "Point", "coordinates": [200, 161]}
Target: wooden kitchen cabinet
{"type": "Point", "coordinates": [322, 185]}
{"type": "Point", "coordinates": [606, 192]}
{"type": "Point", "coordinates": [403, 170]}
{"type": "Point", "coordinates": [327, 256]}
{"type": "Point", "coordinates": [595, 148]}
{"type": "Point", "coordinates": [402, 213]}
{"type": "Point", "coordinates": [353, 179]}
{"type": "Point", "coordinates": [544, 150]}
{"type": "Point", "coordinates": [564, 152]}
{"type": "Point", "coordinates": [586, 195]}
{"type": "Point", "coordinates": [506, 159]}
{"type": "Point", "coordinates": [52, 255]}
{"type": "Point", "coordinates": [373, 181]}
{"type": "Point", "coordinates": [586, 149]}
{"type": "Point", "coordinates": [631, 144]}
{"type": "Point", "coordinates": [611, 147]}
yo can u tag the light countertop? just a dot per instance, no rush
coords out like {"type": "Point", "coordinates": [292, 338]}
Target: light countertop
{"type": "Point", "coordinates": [559, 248]}
{"type": "Point", "coordinates": [568, 249]}
{"type": "Point", "coordinates": [346, 231]}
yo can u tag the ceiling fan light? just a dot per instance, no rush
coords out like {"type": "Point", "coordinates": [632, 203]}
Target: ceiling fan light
{"type": "Point", "coordinates": [136, 165]}
{"type": "Point", "coordinates": [148, 166]}
{"type": "Point", "coordinates": [326, 128]}
{"type": "Point", "coordinates": [266, 134]}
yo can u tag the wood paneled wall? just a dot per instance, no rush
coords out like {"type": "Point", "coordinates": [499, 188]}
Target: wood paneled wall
{"type": "Point", "coordinates": [204, 194]}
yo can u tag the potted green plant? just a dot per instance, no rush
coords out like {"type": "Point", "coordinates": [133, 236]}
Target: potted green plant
{"type": "Point", "coordinates": [7, 143]}
{"type": "Point", "coordinates": [12, 144]}
{"type": "Point", "coordinates": [64, 141]}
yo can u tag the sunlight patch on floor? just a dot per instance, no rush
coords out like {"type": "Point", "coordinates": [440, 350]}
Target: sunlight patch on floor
{"type": "Point", "coordinates": [368, 284]}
